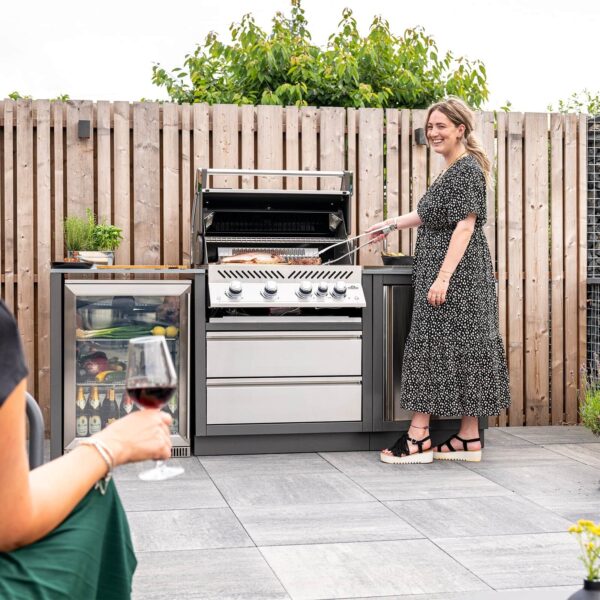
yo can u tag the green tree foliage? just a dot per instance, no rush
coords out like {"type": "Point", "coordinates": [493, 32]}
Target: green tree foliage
{"type": "Point", "coordinates": [579, 102]}
{"type": "Point", "coordinates": [284, 68]}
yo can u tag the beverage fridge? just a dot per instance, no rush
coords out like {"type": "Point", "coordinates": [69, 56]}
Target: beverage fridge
{"type": "Point", "coordinates": [99, 319]}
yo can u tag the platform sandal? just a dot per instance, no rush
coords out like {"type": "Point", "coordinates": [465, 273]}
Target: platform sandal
{"type": "Point", "coordinates": [454, 454]}
{"type": "Point", "coordinates": [401, 453]}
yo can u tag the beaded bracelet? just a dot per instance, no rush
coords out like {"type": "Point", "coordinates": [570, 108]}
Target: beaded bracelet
{"type": "Point", "coordinates": [105, 453]}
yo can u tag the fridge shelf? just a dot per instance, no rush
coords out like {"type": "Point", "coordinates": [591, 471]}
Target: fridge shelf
{"type": "Point", "coordinates": [120, 340]}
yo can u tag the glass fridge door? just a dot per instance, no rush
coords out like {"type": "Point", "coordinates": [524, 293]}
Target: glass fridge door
{"type": "Point", "coordinates": [99, 320]}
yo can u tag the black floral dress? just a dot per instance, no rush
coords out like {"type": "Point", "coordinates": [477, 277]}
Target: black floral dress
{"type": "Point", "coordinates": [454, 362]}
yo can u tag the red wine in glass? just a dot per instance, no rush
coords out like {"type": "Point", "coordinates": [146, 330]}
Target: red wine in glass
{"type": "Point", "coordinates": [151, 381]}
{"type": "Point", "coordinates": [151, 396]}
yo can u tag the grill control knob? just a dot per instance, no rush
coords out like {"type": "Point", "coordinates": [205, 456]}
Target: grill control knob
{"type": "Point", "coordinates": [322, 289]}
{"type": "Point", "coordinates": [235, 290]}
{"type": "Point", "coordinates": [339, 289]}
{"type": "Point", "coordinates": [305, 289]}
{"type": "Point", "coordinates": [270, 289]}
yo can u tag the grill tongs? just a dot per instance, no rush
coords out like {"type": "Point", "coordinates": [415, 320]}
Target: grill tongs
{"type": "Point", "coordinates": [352, 240]}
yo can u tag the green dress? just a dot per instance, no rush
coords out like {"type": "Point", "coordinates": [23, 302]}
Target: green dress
{"type": "Point", "coordinates": [88, 556]}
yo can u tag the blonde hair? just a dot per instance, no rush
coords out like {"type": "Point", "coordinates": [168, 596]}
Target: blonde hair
{"type": "Point", "coordinates": [460, 114]}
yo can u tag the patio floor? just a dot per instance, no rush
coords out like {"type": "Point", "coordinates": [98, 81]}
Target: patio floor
{"type": "Point", "coordinates": [344, 525]}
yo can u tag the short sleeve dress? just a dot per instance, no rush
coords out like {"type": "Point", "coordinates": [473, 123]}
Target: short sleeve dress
{"type": "Point", "coordinates": [89, 555]}
{"type": "Point", "coordinates": [454, 362]}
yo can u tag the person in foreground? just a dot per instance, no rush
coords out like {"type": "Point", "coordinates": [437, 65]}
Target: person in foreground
{"type": "Point", "coordinates": [454, 362]}
{"type": "Point", "coordinates": [63, 530]}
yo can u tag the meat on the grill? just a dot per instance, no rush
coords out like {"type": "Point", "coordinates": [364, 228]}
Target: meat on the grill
{"type": "Point", "coordinates": [254, 258]}
{"type": "Point", "coordinates": [304, 260]}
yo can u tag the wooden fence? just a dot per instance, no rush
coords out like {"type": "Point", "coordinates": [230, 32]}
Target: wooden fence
{"type": "Point", "coordinates": [136, 170]}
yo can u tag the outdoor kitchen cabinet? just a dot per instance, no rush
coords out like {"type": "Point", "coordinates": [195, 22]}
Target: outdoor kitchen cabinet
{"type": "Point", "coordinates": [391, 303]}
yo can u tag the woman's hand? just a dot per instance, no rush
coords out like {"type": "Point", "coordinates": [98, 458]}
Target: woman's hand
{"type": "Point", "coordinates": [437, 292]}
{"type": "Point", "coordinates": [142, 435]}
{"type": "Point", "coordinates": [376, 235]}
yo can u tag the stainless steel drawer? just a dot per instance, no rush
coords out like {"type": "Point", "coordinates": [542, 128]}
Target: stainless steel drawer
{"type": "Point", "coordinates": [299, 400]}
{"type": "Point", "coordinates": [277, 353]}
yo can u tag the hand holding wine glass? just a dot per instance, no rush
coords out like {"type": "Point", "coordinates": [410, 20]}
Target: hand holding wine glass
{"type": "Point", "coordinates": [151, 381]}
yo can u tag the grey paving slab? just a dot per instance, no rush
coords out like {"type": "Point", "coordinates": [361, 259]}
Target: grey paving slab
{"type": "Point", "coordinates": [447, 481]}
{"type": "Point", "coordinates": [170, 494]}
{"type": "Point", "coordinates": [368, 463]}
{"type": "Point", "coordinates": [518, 561]}
{"type": "Point", "coordinates": [570, 506]}
{"type": "Point", "coordinates": [495, 437]}
{"type": "Point", "coordinates": [184, 530]}
{"type": "Point", "coordinates": [323, 523]}
{"type": "Point", "coordinates": [265, 464]}
{"type": "Point", "coordinates": [515, 456]}
{"type": "Point", "coordinates": [296, 488]}
{"type": "Point", "coordinates": [562, 478]}
{"type": "Point", "coordinates": [192, 466]}
{"type": "Point", "coordinates": [588, 454]}
{"type": "Point", "coordinates": [545, 593]}
{"type": "Point", "coordinates": [238, 573]}
{"type": "Point", "coordinates": [367, 569]}
{"type": "Point", "coordinates": [487, 515]}
{"type": "Point", "coordinates": [553, 434]}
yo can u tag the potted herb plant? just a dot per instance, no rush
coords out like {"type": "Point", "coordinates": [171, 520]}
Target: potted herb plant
{"type": "Point", "coordinates": [78, 234]}
{"type": "Point", "coordinates": [107, 238]}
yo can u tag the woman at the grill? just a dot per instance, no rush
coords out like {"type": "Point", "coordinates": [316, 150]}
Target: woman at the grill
{"type": "Point", "coordinates": [61, 536]}
{"type": "Point", "coordinates": [454, 362]}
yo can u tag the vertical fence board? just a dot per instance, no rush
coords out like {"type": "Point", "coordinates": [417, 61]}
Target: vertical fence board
{"type": "Point", "coordinates": [557, 267]}
{"type": "Point", "coordinates": [501, 247]}
{"type": "Point", "coordinates": [201, 137]}
{"type": "Point", "coordinates": [536, 268]}
{"type": "Point", "coordinates": [225, 143]}
{"type": "Point", "coordinates": [26, 235]}
{"type": "Point", "coordinates": [186, 183]}
{"type": "Point", "coordinates": [405, 177]}
{"type": "Point", "coordinates": [515, 266]}
{"type": "Point", "coordinates": [8, 228]}
{"type": "Point", "coordinates": [80, 160]}
{"type": "Point", "coordinates": [332, 146]}
{"type": "Point", "coordinates": [582, 160]}
{"type": "Point", "coordinates": [392, 165]}
{"type": "Point", "coordinates": [146, 184]}
{"type": "Point", "coordinates": [418, 167]}
{"type": "Point", "coordinates": [58, 180]}
{"type": "Point", "coordinates": [292, 145]}
{"type": "Point", "coordinates": [370, 177]}
{"type": "Point", "coordinates": [170, 205]}
{"type": "Point", "coordinates": [43, 223]}
{"type": "Point", "coordinates": [122, 180]}
{"type": "Point", "coordinates": [269, 125]}
{"type": "Point", "coordinates": [248, 144]}
{"type": "Point", "coordinates": [352, 165]}
{"type": "Point", "coordinates": [104, 162]}
{"type": "Point", "coordinates": [309, 119]}
{"type": "Point", "coordinates": [571, 269]}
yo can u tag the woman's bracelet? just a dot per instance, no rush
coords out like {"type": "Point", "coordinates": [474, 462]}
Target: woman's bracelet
{"type": "Point", "coordinates": [106, 454]}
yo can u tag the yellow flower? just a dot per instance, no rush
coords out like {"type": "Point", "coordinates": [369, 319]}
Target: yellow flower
{"type": "Point", "coordinates": [575, 529]}
{"type": "Point", "coordinates": [585, 523]}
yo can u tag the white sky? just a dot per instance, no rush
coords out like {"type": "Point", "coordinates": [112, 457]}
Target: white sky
{"type": "Point", "coordinates": [535, 51]}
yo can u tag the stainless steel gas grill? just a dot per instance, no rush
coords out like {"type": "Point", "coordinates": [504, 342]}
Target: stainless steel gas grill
{"type": "Point", "coordinates": [284, 329]}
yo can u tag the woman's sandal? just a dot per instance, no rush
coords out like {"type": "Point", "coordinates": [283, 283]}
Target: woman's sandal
{"type": "Point", "coordinates": [401, 452]}
{"type": "Point", "coordinates": [454, 454]}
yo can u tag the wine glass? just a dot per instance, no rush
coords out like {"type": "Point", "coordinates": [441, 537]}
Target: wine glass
{"type": "Point", "coordinates": [151, 381]}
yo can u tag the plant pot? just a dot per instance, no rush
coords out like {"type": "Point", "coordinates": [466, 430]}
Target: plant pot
{"type": "Point", "coordinates": [590, 591]}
